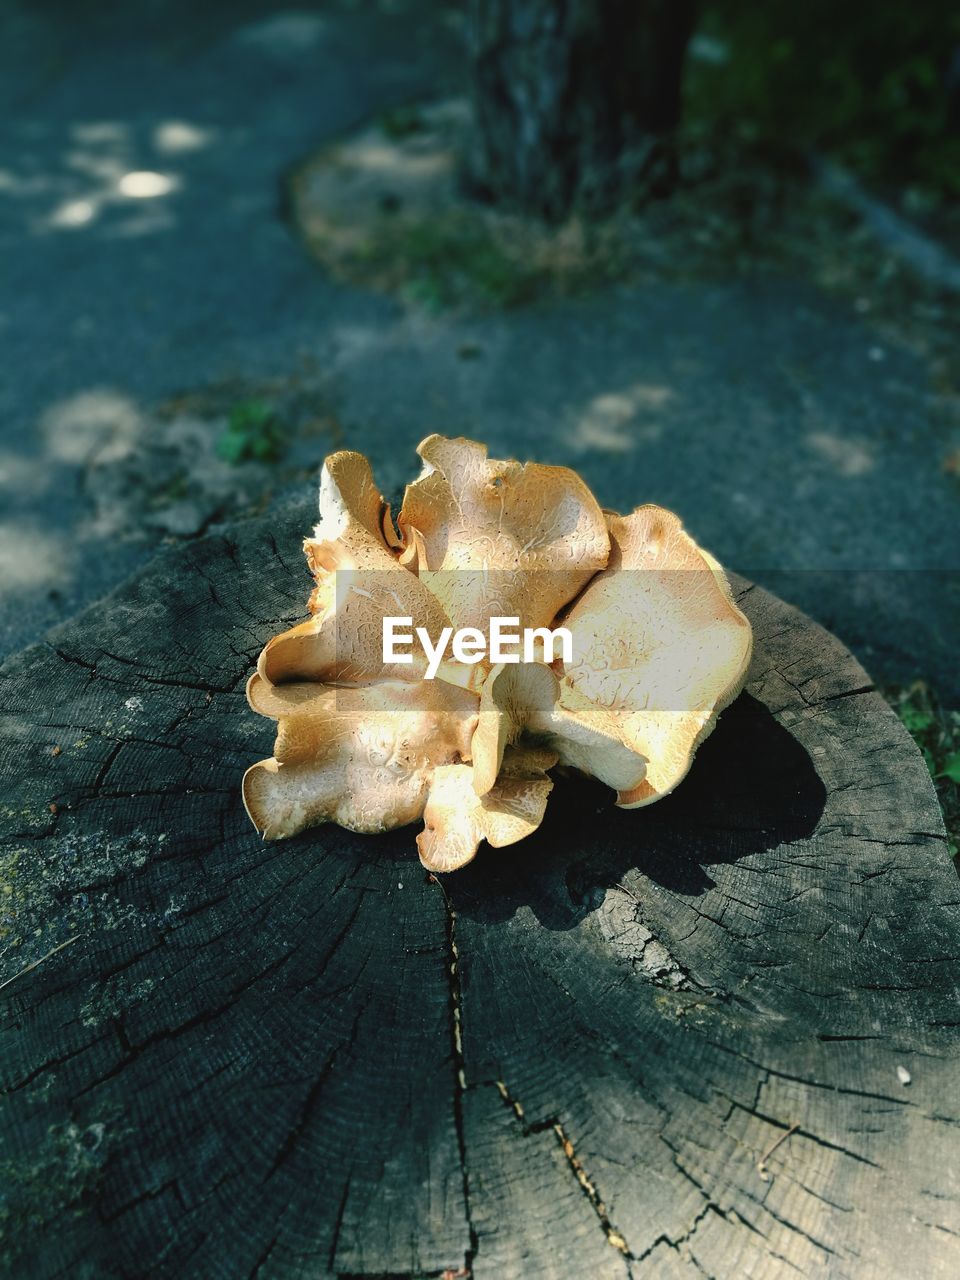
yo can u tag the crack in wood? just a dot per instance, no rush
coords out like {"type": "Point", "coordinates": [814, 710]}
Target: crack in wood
{"type": "Point", "coordinates": [460, 1078]}
{"type": "Point", "coordinates": [586, 1183]}
{"type": "Point", "coordinates": [621, 921]}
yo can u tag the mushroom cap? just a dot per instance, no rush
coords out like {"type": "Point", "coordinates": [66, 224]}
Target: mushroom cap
{"type": "Point", "coordinates": [356, 560]}
{"type": "Point", "coordinates": [359, 756]}
{"type": "Point", "coordinates": [658, 649]}
{"type": "Point", "coordinates": [457, 819]}
{"type": "Point", "coordinates": [528, 700]}
{"type": "Point", "coordinates": [659, 642]}
{"type": "Point", "coordinates": [500, 538]}
{"type": "Point", "coordinates": [350, 533]}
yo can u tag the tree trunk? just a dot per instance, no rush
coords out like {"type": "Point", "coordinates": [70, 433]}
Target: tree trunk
{"type": "Point", "coordinates": [574, 98]}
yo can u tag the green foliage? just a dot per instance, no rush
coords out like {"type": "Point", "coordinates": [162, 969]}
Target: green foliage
{"type": "Point", "coordinates": [936, 732]}
{"type": "Point", "coordinates": [865, 82]}
{"type": "Point", "coordinates": [448, 261]}
{"type": "Point", "coordinates": [170, 489]}
{"type": "Point", "coordinates": [252, 434]}
{"type": "Point", "coordinates": [401, 122]}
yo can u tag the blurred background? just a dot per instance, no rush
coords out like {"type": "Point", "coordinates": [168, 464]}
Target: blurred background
{"type": "Point", "coordinates": [708, 255]}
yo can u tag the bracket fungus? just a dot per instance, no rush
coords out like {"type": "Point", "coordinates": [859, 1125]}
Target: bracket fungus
{"type": "Point", "coordinates": [659, 648]}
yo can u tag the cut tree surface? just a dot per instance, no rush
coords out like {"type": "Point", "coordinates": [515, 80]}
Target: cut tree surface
{"type": "Point", "coordinates": [307, 1059]}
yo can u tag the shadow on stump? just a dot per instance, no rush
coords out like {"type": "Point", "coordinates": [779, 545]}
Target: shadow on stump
{"type": "Point", "coordinates": [752, 788]}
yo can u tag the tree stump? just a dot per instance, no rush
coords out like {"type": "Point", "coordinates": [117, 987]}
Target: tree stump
{"type": "Point", "coordinates": [668, 1042]}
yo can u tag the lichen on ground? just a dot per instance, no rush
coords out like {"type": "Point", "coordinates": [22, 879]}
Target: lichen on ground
{"type": "Point", "coordinates": [70, 883]}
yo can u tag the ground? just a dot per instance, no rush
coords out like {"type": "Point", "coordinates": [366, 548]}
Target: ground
{"type": "Point", "coordinates": [805, 440]}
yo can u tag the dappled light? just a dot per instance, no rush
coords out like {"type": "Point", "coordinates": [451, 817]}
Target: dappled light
{"type": "Point", "coordinates": [144, 185]}
{"type": "Point", "coordinates": [618, 421]}
{"type": "Point", "coordinates": [31, 560]}
{"type": "Point", "coordinates": [387, 162]}
{"type": "Point", "coordinates": [74, 213]}
{"type": "Point", "coordinates": [293, 32]}
{"type": "Point", "coordinates": [99, 423]}
{"type": "Point", "coordinates": [177, 137]}
{"type": "Point", "coordinates": [848, 457]}
{"type": "Point", "coordinates": [95, 183]}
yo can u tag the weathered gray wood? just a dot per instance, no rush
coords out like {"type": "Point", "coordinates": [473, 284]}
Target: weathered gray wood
{"type": "Point", "coordinates": [247, 1063]}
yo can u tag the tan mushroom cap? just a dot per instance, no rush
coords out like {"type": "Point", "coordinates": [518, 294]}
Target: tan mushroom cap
{"type": "Point", "coordinates": [361, 757]}
{"type": "Point", "coordinates": [345, 644]}
{"type": "Point", "coordinates": [659, 648]}
{"type": "Point", "coordinates": [528, 699]}
{"type": "Point", "coordinates": [354, 518]}
{"type": "Point", "coordinates": [496, 538]}
{"type": "Point", "coordinates": [659, 642]}
{"type": "Point", "coordinates": [457, 819]}
{"type": "Point", "coordinates": [354, 556]}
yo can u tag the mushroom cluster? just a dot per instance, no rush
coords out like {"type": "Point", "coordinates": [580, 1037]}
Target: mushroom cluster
{"type": "Point", "coordinates": [659, 648]}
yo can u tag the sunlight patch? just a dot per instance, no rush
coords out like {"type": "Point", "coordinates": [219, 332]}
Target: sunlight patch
{"type": "Point", "coordinates": [143, 184]}
{"type": "Point", "coordinates": [74, 213]}
{"type": "Point", "coordinates": [99, 423]}
{"type": "Point", "coordinates": [614, 422]}
{"type": "Point", "coordinates": [848, 457]}
{"type": "Point", "coordinates": [174, 137]}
